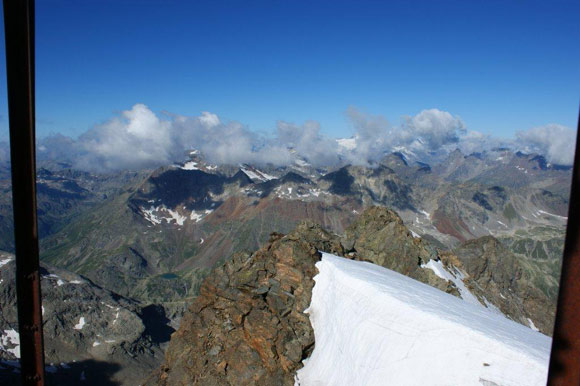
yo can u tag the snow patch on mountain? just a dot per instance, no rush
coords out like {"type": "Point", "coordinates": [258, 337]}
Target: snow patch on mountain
{"type": "Point", "coordinates": [198, 216]}
{"type": "Point", "coordinates": [407, 154]}
{"type": "Point", "coordinates": [314, 193]}
{"type": "Point", "coordinates": [10, 342]}
{"type": "Point", "coordinates": [150, 215]}
{"type": "Point", "coordinates": [190, 165]}
{"type": "Point", "coordinates": [52, 277]}
{"type": "Point", "coordinates": [157, 214]}
{"type": "Point", "coordinates": [256, 175]}
{"type": "Point", "coordinates": [372, 325]}
{"type": "Point", "coordinates": [80, 324]}
{"type": "Point", "coordinates": [456, 278]}
{"type": "Point", "coordinates": [532, 325]}
{"type": "Point", "coordinates": [553, 215]}
{"type": "Point", "coordinates": [179, 219]}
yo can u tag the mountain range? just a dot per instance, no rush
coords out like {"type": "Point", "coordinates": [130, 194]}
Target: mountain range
{"type": "Point", "coordinates": [495, 220]}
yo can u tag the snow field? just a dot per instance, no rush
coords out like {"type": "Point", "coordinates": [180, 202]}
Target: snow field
{"type": "Point", "coordinates": [374, 326]}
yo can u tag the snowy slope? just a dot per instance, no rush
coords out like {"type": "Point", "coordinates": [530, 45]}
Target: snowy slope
{"type": "Point", "coordinates": [374, 326]}
{"type": "Point", "coordinates": [255, 174]}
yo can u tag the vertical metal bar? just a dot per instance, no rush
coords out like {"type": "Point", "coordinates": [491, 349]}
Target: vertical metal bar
{"type": "Point", "coordinates": [19, 27]}
{"type": "Point", "coordinates": [565, 356]}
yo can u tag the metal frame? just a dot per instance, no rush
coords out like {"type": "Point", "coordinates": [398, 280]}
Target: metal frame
{"type": "Point", "coordinates": [565, 354]}
{"type": "Point", "coordinates": [19, 29]}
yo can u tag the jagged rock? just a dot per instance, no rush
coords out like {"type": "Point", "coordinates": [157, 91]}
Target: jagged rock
{"type": "Point", "coordinates": [379, 236]}
{"type": "Point", "coordinates": [248, 327]}
{"type": "Point", "coordinates": [507, 281]}
{"type": "Point", "coordinates": [495, 276]}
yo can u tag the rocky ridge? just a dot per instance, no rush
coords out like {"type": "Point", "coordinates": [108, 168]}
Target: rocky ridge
{"type": "Point", "coordinates": [247, 326]}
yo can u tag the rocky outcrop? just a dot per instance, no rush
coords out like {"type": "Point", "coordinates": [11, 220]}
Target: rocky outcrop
{"type": "Point", "coordinates": [380, 237]}
{"type": "Point", "coordinates": [494, 275]}
{"type": "Point", "coordinates": [247, 327]}
{"type": "Point", "coordinates": [509, 282]}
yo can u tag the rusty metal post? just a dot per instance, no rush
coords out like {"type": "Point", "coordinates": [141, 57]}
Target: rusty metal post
{"type": "Point", "coordinates": [19, 28]}
{"type": "Point", "coordinates": [565, 356]}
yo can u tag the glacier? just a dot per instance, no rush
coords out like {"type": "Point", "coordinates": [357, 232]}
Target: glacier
{"type": "Point", "coordinates": [374, 326]}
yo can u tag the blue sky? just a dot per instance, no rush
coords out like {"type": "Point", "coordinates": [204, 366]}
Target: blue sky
{"type": "Point", "coordinates": [501, 66]}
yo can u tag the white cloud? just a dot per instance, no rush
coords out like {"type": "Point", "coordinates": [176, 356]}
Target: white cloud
{"type": "Point", "coordinates": [434, 127]}
{"type": "Point", "coordinates": [556, 142]}
{"type": "Point", "coordinates": [227, 143]}
{"type": "Point", "coordinates": [373, 136]}
{"type": "Point", "coordinates": [209, 119]}
{"type": "Point", "coordinates": [475, 142]}
{"type": "Point", "coordinates": [138, 138]}
{"type": "Point", "coordinates": [425, 133]}
{"type": "Point", "coordinates": [307, 141]}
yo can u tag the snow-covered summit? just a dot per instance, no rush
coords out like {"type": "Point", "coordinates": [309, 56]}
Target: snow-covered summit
{"type": "Point", "coordinates": [374, 326]}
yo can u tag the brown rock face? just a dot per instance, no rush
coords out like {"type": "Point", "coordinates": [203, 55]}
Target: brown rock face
{"type": "Point", "coordinates": [248, 327]}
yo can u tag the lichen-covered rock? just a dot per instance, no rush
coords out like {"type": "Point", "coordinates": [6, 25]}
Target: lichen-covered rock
{"type": "Point", "coordinates": [494, 275]}
{"type": "Point", "coordinates": [507, 281]}
{"type": "Point", "coordinates": [379, 236]}
{"type": "Point", "coordinates": [248, 326]}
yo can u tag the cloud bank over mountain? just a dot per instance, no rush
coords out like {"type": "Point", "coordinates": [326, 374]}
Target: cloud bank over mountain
{"type": "Point", "coordinates": [139, 138]}
{"type": "Point", "coordinates": [557, 142]}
